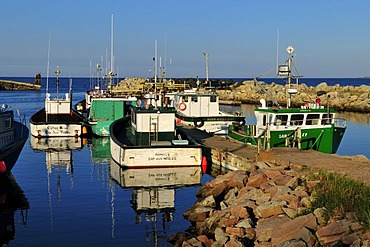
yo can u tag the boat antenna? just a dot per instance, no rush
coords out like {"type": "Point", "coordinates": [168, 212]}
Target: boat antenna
{"type": "Point", "coordinates": [111, 73]}
{"type": "Point", "coordinates": [277, 51]}
{"type": "Point", "coordinates": [48, 66]}
{"type": "Point", "coordinates": [155, 66]}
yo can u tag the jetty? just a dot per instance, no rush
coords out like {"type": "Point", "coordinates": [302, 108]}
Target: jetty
{"type": "Point", "coordinates": [228, 154]}
{"type": "Point", "coordinates": [266, 199]}
{"type": "Point", "coordinates": [18, 86]}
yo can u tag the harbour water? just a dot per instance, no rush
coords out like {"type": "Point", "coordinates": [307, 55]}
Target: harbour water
{"type": "Point", "coordinates": [76, 197]}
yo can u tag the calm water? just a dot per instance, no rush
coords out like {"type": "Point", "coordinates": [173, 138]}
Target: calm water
{"type": "Point", "coordinates": [76, 196]}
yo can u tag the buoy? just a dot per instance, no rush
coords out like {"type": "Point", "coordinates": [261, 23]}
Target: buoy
{"type": "Point", "coordinates": [204, 164]}
{"type": "Point", "coordinates": [2, 166]}
{"type": "Point", "coordinates": [84, 130]}
{"type": "Point", "coordinates": [182, 106]}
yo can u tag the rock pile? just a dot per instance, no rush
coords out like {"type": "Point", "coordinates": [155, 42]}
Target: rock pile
{"type": "Point", "coordinates": [265, 206]}
{"type": "Point", "coordinates": [341, 98]}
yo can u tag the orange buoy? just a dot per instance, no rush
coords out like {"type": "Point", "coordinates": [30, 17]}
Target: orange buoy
{"type": "Point", "coordinates": [204, 164]}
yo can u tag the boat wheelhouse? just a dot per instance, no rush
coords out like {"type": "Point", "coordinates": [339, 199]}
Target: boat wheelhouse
{"type": "Point", "coordinates": [149, 138]}
{"type": "Point", "coordinates": [200, 109]}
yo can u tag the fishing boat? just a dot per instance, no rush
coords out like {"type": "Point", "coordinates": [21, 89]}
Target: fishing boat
{"type": "Point", "coordinates": [57, 118]}
{"type": "Point", "coordinates": [309, 127]}
{"type": "Point", "coordinates": [200, 109]}
{"type": "Point", "coordinates": [105, 110]}
{"type": "Point", "coordinates": [148, 137]}
{"type": "Point", "coordinates": [13, 135]}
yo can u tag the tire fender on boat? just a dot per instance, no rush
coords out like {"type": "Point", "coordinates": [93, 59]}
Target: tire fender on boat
{"type": "Point", "coordinates": [198, 123]}
{"type": "Point", "coordinates": [181, 106]}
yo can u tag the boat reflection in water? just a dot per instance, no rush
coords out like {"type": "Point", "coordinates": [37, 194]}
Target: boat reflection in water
{"type": "Point", "coordinates": [58, 152]}
{"type": "Point", "coordinates": [13, 202]}
{"type": "Point", "coordinates": [153, 192]}
{"type": "Point", "coordinates": [100, 150]}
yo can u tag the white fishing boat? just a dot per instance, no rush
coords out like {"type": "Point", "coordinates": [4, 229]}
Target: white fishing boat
{"type": "Point", "coordinates": [57, 118]}
{"type": "Point", "coordinates": [148, 137]}
{"type": "Point", "coordinates": [200, 109]}
{"type": "Point", "coordinates": [13, 135]}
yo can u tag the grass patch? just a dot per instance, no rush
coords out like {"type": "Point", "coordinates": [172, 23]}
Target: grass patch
{"type": "Point", "coordinates": [340, 195]}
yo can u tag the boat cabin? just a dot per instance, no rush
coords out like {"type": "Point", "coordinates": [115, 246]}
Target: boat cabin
{"type": "Point", "coordinates": [57, 105]}
{"type": "Point", "coordinates": [153, 126]}
{"type": "Point", "coordinates": [7, 132]}
{"type": "Point", "coordinates": [197, 104]}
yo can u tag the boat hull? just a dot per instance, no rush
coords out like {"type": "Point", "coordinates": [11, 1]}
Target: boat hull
{"type": "Point", "coordinates": [57, 125]}
{"type": "Point", "coordinates": [217, 124]}
{"type": "Point", "coordinates": [159, 154]}
{"type": "Point", "coordinates": [325, 139]}
{"type": "Point", "coordinates": [10, 153]}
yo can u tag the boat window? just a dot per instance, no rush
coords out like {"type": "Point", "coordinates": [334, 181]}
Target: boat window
{"type": "Point", "coordinates": [194, 98]}
{"type": "Point", "coordinates": [296, 119]}
{"type": "Point", "coordinates": [185, 99]}
{"type": "Point", "coordinates": [213, 98]}
{"type": "Point", "coordinates": [312, 119]}
{"type": "Point", "coordinates": [281, 119]}
{"type": "Point", "coordinates": [8, 123]}
{"type": "Point", "coordinates": [325, 119]}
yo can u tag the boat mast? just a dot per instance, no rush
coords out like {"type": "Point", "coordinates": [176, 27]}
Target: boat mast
{"type": "Point", "coordinates": [111, 73]}
{"type": "Point", "coordinates": [155, 66]}
{"type": "Point", "coordinates": [48, 67]}
{"type": "Point", "coordinates": [290, 50]}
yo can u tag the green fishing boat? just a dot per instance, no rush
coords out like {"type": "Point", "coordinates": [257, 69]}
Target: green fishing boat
{"type": "Point", "coordinates": [310, 127]}
{"type": "Point", "coordinates": [104, 111]}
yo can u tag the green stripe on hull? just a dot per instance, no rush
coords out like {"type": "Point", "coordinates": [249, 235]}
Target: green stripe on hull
{"type": "Point", "coordinates": [325, 140]}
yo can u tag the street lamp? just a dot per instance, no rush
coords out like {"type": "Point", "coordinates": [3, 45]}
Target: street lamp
{"type": "Point", "coordinates": [207, 54]}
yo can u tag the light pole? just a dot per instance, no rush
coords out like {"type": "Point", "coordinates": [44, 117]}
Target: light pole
{"type": "Point", "coordinates": [150, 75]}
{"type": "Point", "coordinates": [57, 72]}
{"type": "Point", "coordinates": [207, 54]}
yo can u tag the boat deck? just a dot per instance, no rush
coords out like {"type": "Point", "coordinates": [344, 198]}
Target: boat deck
{"type": "Point", "coordinates": [354, 167]}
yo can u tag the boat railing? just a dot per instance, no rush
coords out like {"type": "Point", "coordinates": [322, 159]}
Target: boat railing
{"type": "Point", "coordinates": [340, 123]}
{"type": "Point", "coordinates": [22, 120]}
{"type": "Point", "coordinates": [266, 137]}
{"type": "Point", "coordinates": [297, 138]}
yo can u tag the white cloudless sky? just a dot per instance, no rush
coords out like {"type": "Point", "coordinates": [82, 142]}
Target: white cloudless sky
{"type": "Point", "coordinates": [331, 38]}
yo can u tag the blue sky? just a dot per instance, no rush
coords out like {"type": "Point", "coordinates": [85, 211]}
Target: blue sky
{"type": "Point", "coordinates": [331, 38]}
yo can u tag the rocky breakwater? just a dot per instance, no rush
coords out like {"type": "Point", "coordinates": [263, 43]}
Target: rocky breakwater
{"type": "Point", "coordinates": [267, 205]}
{"type": "Point", "coordinates": [341, 98]}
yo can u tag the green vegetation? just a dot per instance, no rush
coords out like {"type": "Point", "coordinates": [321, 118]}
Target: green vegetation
{"type": "Point", "coordinates": [340, 195]}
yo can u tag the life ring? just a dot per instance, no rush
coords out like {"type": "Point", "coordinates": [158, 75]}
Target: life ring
{"type": "Point", "coordinates": [198, 123]}
{"type": "Point", "coordinates": [182, 106]}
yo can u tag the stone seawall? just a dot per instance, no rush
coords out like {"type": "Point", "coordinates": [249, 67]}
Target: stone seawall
{"type": "Point", "coordinates": [265, 205]}
{"type": "Point", "coordinates": [341, 98]}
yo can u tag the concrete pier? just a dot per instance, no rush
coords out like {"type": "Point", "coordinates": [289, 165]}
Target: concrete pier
{"type": "Point", "coordinates": [18, 86]}
{"type": "Point", "coordinates": [229, 154]}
